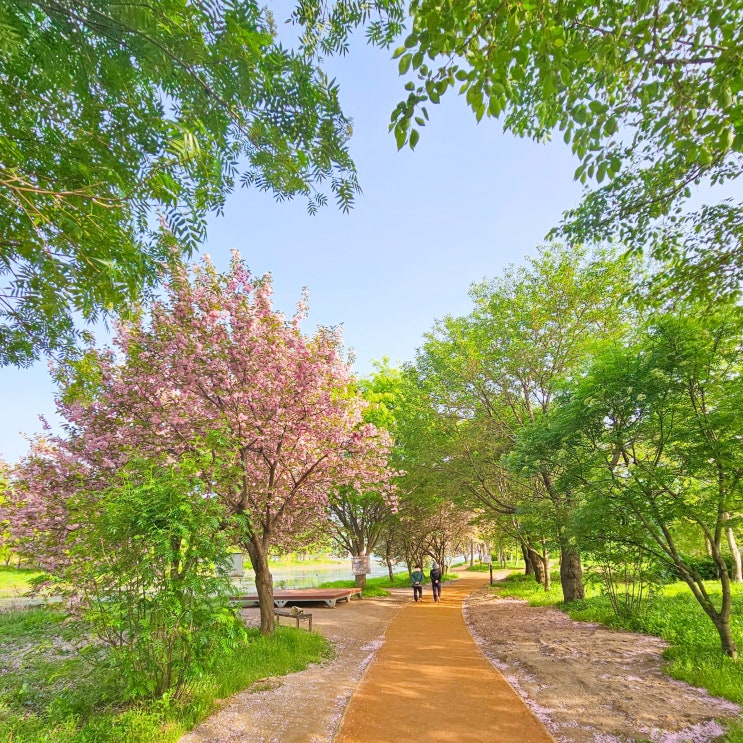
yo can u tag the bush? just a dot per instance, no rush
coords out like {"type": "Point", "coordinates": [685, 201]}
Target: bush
{"type": "Point", "coordinates": [705, 566]}
{"type": "Point", "coordinates": [143, 572]}
{"type": "Point", "coordinates": [49, 695]}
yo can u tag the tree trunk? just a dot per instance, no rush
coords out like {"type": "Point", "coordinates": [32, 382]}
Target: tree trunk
{"type": "Point", "coordinates": [528, 566]}
{"type": "Point", "coordinates": [263, 584]}
{"type": "Point", "coordinates": [545, 560]}
{"type": "Point", "coordinates": [536, 564]}
{"type": "Point", "coordinates": [726, 637]}
{"type": "Point", "coordinates": [361, 581]}
{"type": "Point", "coordinates": [735, 552]}
{"type": "Point", "coordinates": [389, 569]}
{"type": "Point", "coordinates": [571, 573]}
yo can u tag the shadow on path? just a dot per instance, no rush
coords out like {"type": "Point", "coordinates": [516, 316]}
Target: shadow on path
{"type": "Point", "coordinates": [430, 682]}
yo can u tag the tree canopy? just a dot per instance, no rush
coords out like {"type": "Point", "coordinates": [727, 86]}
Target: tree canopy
{"type": "Point", "coordinates": [214, 370]}
{"type": "Point", "coordinates": [648, 95]}
{"type": "Point", "coordinates": [122, 125]}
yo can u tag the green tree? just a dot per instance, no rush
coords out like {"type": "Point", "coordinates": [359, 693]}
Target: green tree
{"type": "Point", "coordinates": [648, 95]}
{"type": "Point", "coordinates": [141, 571]}
{"type": "Point", "coordinates": [357, 522]}
{"type": "Point", "coordinates": [652, 431]}
{"type": "Point", "coordinates": [499, 369]}
{"type": "Point", "coordinates": [122, 124]}
{"type": "Point", "coordinates": [359, 519]}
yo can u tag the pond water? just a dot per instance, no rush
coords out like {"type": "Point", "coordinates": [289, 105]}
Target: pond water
{"type": "Point", "coordinates": [310, 576]}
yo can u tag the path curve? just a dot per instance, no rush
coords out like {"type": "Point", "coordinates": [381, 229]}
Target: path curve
{"type": "Point", "coordinates": [430, 681]}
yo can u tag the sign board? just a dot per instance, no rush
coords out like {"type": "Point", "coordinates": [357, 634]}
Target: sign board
{"type": "Point", "coordinates": [361, 564]}
{"type": "Point", "coordinates": [236, 569]}
{"type": "Point", "coordinates": [486, 556]}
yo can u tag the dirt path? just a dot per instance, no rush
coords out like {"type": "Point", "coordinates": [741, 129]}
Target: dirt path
{"type": "Point", "coordinates": [430, 681]}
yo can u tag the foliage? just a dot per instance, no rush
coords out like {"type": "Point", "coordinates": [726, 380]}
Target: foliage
{"type": "Point", "coordinates": [142, 574]}
{"type": "Point", "coordinates": [485, 377]}
{"type": "Point", "coordinates": [121, 126]}
{"type": "Point", "coordinates": [627, 580]}
{"type": "Point", "coordinates": [649, 435]}
{"type": "Point", "coordinates": [215, 370]}
{"type": "Point", "coordinates": [5, 548]}
{"type": "Point", "coordinates": [358, 518]}
{"type": "Point", "coordinates": [648, 95]}
{"type": "Point", "coordinates": [53, 696]}
{"type": "Point", "coordinates": [705, 567]}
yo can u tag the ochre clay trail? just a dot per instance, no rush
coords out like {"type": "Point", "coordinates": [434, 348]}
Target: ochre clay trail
{"type": "Point", "coordinates": [429, 682]}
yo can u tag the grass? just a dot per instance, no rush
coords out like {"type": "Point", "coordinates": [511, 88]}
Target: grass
{"type": "Point", "coordinates": [49, 694]}
{"type": "Point", "coordinates": [15, 581]}
{"type": "Point", "coordinates": [483, 567]}
{"type": "Point", "coordinates": [694, 653]}
{"type": "Point", "coordinates": [380, 586]}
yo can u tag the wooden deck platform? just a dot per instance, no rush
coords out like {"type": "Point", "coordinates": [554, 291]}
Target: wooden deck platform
{"type": "Point", "coordinates": [281, 598]}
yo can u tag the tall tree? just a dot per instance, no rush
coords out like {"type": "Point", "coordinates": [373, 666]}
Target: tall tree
{"type": "Point", "coordinates": [652, 431]}
{"type": "Point", "coordinates": [357, 522]}
{"type": "Point", "coordinates": [499, 369]}
{"type": "Point", "coordinates": [112, 113]}
{"type": "Point", "coordinates": [648, 94]}
{"type": "Point", "coordinates": [214, 368]}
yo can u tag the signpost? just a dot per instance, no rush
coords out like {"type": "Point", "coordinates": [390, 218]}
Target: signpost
{"type": "Point", "coordinates": [488, 558]}
{"type": "Point", "coordinates": [361, 564]}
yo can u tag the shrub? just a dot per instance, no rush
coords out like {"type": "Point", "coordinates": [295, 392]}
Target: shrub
{"type": "Point", "coordinates": [142, 572]}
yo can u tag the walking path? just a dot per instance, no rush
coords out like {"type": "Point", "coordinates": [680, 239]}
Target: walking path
{"type": "Point", "coordinates": [430, 682]}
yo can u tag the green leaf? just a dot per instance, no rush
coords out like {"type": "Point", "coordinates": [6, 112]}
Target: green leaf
{"type": "Point", "coordinates": [401, 134]}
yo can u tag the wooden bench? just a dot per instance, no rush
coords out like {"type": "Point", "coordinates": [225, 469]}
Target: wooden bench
{"type": "Point", "coordinates": [282, 597]}
{"type": "Point", "coordinates": [298, 615]}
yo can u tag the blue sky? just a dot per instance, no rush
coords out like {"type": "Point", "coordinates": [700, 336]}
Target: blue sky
{"type": "Point", "coordinates": [469, 201]}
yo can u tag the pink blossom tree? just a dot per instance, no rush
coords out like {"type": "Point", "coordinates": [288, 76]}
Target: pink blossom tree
{"type": "Point", "coordinates": [35, 504]}
{"type": "Point", "coordinates": [213, 367]}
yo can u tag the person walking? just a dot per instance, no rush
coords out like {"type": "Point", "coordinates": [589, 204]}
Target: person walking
{"type": "Point", "coordinates": [416, 578]}
{"type": "Point", "coordinates": [435, 576]}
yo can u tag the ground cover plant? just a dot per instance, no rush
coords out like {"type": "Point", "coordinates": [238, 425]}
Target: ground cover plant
{"type": "Point", "coordinates": [671, 613]}
{"type": "Point", "coordinates": [51, 693]}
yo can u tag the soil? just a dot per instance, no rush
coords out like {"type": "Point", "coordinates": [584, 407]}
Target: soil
{"type": "Point", "coordinates": [588, 683]}
{"type": "Point", "coordinates": [581, 683]}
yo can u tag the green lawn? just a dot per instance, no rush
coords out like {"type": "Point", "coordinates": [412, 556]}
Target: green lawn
{"type": "Point", "coordinates": [50, 694]}
{"type": "Point", "coordinates": [694, 653]}
{"type": "Point", "coordinates": [483, 567]}
{"type": "Point", "coordinates": [15, 581]}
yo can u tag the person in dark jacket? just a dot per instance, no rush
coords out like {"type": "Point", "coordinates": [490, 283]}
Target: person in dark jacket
{"type": "Point", "coordinates": [416, 578]}
{"type": "Point", "coordinates": [435, 576]}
